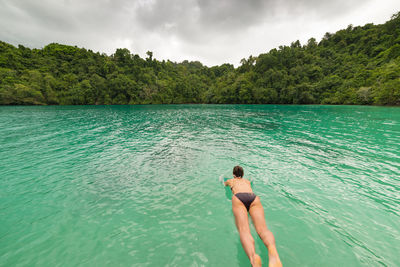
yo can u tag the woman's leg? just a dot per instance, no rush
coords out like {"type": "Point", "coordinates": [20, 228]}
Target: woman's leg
{"type": "Point", "coordinates": [257, 215]}
{"type": "Point", "coordinates": [242, 224]}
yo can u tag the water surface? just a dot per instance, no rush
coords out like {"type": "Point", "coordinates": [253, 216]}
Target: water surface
{"type": "Point", "coordinates": [138, 185]}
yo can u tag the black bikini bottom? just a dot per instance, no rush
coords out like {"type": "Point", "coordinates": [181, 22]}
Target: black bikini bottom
{"type": "Point", "coordinates": [246, 198]}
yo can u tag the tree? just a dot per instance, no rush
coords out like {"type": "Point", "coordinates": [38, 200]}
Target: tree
{"type": "Point", "coordinates": [356, 65]}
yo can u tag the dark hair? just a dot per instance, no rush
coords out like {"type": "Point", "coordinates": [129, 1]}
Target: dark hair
{"type": "Point", "coordinates": [238, 171]}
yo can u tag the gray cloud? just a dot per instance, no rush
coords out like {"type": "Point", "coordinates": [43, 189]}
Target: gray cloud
{"type": "Point", "coordinates": [213, 32]}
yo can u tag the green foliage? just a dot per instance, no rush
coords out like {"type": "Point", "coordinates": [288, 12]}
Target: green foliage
{"type": "Point", "coordinates": [356, 65]}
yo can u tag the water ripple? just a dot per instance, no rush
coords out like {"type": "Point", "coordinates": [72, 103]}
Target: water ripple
{"type": "Point", "coordinates": [138, 185]}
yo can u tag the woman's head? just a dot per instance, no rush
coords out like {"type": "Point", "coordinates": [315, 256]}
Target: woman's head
{"type": "Point", "coordinates": [238, 171]}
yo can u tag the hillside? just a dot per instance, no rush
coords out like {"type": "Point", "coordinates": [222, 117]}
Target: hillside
{"type": "Point", "coordinates": [357, 65]}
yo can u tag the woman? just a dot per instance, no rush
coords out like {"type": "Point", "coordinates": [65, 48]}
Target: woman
{"type": "Point", "coordinates": [243, 201]}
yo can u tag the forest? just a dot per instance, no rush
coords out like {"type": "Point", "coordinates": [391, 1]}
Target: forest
{"type": "Point", "coordinates": [357, 65]}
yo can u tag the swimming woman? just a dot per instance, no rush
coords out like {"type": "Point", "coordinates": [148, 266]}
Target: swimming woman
{"type": "Point", "coordinates": [243, 201]}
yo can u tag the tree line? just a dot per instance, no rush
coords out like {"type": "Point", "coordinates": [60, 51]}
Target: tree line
{"type": "Point", "coordinates": [356, 65]}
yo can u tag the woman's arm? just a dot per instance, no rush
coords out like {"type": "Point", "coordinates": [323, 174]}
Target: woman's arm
{"type": "Point", "coordinates": [228, 182]}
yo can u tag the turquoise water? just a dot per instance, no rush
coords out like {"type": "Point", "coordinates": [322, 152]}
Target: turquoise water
{"type": "Point", "coordinates": [139, 185]}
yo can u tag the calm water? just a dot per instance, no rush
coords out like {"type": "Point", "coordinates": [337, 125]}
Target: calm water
{"type": "Point", "coordinates": [138, 185]}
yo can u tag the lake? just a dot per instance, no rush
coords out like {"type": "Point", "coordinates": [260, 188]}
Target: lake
{"type": "Point", "coordinates": [139, 185]}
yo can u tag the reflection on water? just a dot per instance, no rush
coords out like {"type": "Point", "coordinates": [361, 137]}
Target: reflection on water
{"type": "Point", "coordinates": [139, 185]}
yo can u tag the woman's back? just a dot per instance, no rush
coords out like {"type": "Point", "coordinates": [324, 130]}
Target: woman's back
{"type": "Point", "coordinates": [240, 185]}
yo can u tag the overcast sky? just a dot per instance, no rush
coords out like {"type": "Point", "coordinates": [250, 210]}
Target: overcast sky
{"type": "Point", "coordinates": [210, 31]}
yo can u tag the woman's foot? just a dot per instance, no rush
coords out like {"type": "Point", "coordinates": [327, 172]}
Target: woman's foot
{"type": "Point", "coordinates": [274, 261]}
{"type": "Point", "coordinates": [256, 261]}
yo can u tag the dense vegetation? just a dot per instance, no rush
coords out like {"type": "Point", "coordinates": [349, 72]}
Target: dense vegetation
{"type": "Point", "coordinates": [358, 65]}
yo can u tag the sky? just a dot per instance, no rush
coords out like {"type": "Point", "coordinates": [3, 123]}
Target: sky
{"type": "Point", "coordinates": [210, 31]}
